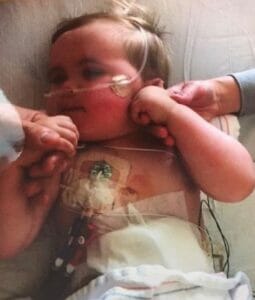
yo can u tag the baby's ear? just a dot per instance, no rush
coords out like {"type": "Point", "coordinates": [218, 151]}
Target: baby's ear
{"type": "Point", "coordinates": [155, 81]}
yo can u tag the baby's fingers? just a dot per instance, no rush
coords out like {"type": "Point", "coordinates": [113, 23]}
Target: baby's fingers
{"type": "Point", "coordinates": [161, 132]}
{"type": "Point", "coordinates": [67, 127]}
{"type": "Point", "coordinates": [143, 118]}
{"type": "Point", "coordinates": [158, 131]}
{"type": "Point", "coordinates": [42, 138]}
{"type": "Point", "coordinates": [68, 135]}
{"type": "Point", "coordinates": [139, 115]}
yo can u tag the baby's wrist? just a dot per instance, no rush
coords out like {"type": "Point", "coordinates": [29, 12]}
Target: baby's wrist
{"type": "Point", "coordinates": [174, 113]}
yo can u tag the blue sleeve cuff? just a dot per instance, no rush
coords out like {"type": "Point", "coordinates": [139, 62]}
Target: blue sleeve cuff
{"type": "Point", "coordinates": [246, 84]}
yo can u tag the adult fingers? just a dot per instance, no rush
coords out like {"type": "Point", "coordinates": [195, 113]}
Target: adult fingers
{"type": "Point", "coordinates": [32, 188]}
{"type": "Point", "coordinates": [183, 93]}
{"type": "Point", "coordinates": [55, 162]}
{"type": "Point", "coordinates": [40, 206]}
{"type": "Point", "coordinates": [40, 137]}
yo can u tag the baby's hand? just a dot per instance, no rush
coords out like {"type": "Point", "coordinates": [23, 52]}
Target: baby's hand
{"type": "Point", "coordinates": [55, 145]}
{"type": "Point", "coordinates": [63, 126]}
{"type": "Point", "coordinates": [151, 107]}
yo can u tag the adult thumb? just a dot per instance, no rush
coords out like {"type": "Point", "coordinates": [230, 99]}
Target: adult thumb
{"type": "Point", "coordinates": [39, 137]}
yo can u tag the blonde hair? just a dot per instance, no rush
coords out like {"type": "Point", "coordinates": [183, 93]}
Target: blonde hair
{"type": "Point", "coordinates": [138, 19]}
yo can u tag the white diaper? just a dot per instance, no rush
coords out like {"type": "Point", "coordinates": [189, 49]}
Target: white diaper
{"type": "Point", "coordinates": [166, 241]}
{"type": "Point", "coordinates": [145, 232]}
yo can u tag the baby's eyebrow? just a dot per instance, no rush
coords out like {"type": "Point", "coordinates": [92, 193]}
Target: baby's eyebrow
{"type": "Point", "coordinates": [89, 60]}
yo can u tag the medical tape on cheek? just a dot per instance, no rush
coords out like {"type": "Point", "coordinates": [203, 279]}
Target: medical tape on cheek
{"type": "Point", "coordinates": [121, 85]}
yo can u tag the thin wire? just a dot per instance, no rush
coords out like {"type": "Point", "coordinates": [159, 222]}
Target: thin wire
{"type": "Point", "coordinates": [140, 149]}
{"type": "Point", "coordinates": [208, 233]}
{"type": "Point", "coordinates": [109, 84]}
{"type": "Point", "coordinates": [226, 265]}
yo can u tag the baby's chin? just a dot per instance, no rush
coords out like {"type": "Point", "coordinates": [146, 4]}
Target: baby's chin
{"type": "Point", "coordinates": [85, 137]}
{"type": "Point", "coordinates": [96, 137]}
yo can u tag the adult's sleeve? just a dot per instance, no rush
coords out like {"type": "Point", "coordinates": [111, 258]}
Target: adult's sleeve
{"type": "Point", "coordinates": [11, 132]}
{"type": "Point", "coordinates": [246, 83]}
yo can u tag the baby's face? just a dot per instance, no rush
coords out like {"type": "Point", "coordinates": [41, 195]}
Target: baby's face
{"type": "Point", "coordinates": [88, 57]}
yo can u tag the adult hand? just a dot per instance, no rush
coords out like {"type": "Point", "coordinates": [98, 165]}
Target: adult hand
{"type": "Point", "coordinates": [45, 156]}
{"type": "Point", "coordinates": [57, 140]}
{"type": "Point", "coordinates": [209, 98]}
{"type": "Point", "coordinates": [55, 150]}
{"type": "Point", "coordinates": [47, 153]}
{"type": "Point", "coordinates": [24, 204]}
{"type": "Point", "coordinates": [200, 95]}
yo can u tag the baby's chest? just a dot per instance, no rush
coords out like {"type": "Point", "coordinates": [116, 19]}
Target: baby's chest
{"type": "Point", "coordinates": [120, 188]}
{"type": "Point", "coordinates": [119, 178]}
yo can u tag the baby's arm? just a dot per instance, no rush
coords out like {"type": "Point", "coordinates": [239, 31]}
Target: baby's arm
{"type": "Point", "coordinates": [218, 163]}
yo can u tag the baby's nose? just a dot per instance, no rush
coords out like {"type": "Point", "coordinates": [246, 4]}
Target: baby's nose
{"type": "Point", "coordinates": [68, 89]}
{"type": "Point", "coordinates": [70, 84]}
{"type": "Point", "coordinates": [63, 92]}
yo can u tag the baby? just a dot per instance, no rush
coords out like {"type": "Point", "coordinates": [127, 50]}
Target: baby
{"type": "Point", "coordinates": [107, 72]}
{"type": "Point", "coordinates": [128, 199]}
